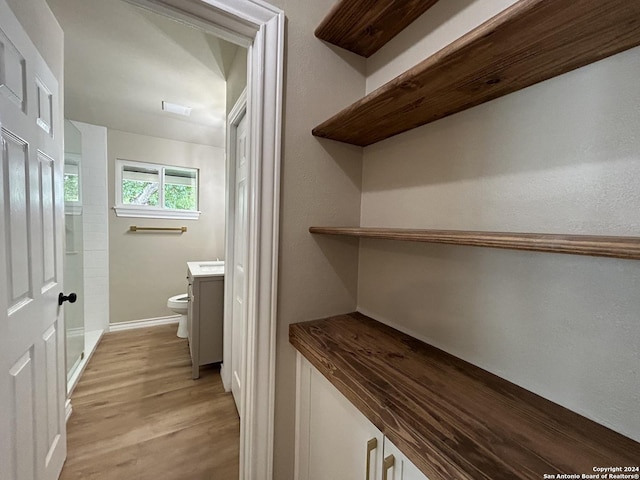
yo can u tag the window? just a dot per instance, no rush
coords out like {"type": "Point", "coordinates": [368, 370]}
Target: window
{"type": "Point", "coordinates": [156, 191]}
{"type": "Point", "coordinates": [72, 182]}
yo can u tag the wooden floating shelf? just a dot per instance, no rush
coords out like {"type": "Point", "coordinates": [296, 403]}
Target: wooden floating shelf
{"type": "Point", "coordinates": [594, 245]}
{"type": "Point", "coordinates": [531, 41]}
{"type": "Point", "coordinates": [364, 26]}
{"type": "Point", "coordinates": [453, 420]}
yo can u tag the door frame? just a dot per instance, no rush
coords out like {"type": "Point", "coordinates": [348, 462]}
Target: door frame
{"type": "Point", "coordinates": [259, 27]}
{"type": "Point", "coordinates": [236, 114]}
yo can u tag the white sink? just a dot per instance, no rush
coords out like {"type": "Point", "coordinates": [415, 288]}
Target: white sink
{"type": "Point", "coordinates": [201, 269]}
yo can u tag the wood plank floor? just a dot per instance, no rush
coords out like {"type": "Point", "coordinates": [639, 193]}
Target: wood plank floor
{"type": "Point", "coordinates": [138, 415]}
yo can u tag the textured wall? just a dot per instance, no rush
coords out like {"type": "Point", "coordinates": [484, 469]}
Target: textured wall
{"type": "Point", "coordinates": [320, 185]}
{"type": "Point", "coordinates": [558, 157]}
{"type": "Point", "coordinates": [147, 268]}
{"type": "Point", "coordinates": [438, 27]}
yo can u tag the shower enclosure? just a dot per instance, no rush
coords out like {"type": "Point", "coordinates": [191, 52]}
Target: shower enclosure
{"type": "Point", "coordinates": [74, 257]}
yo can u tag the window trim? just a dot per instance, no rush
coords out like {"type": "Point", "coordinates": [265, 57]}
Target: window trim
{"type": "Point", "coordinates": [145, 211]}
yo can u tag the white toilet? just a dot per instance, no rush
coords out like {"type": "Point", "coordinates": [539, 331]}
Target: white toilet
{"type": "Point", "coordinates": [180, 305]}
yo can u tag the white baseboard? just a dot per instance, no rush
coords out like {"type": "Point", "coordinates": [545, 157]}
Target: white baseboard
{"type": "Point", "coordinates": [91, 341]}
{"type": "Point", "coordinates": [147, 322]}
{"type": "Point", "coordinates": [67, 409]}
{"type": "Point", "coordinates": [226, 384]}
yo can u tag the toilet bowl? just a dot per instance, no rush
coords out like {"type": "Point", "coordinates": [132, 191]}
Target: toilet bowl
{"type": "Point", "coordinates": [180, 305]}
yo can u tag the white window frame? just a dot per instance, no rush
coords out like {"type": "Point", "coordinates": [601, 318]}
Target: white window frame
{"type": "Point", "coordinates": [147, 211]}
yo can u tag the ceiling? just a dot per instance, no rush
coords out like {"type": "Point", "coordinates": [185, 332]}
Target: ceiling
{"type": "Point", "coordinates": [121, 62]}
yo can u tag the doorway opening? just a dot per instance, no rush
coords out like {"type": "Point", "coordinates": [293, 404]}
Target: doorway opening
{"type": "Point", "coordinates": [259, 29]}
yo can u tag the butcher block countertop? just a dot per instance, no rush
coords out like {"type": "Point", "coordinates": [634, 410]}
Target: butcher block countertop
{"type": "Point", "coordinates": [451, 419]}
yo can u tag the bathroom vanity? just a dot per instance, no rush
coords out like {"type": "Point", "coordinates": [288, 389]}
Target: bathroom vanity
{"type": "Point", "coordinates": [205, 313]}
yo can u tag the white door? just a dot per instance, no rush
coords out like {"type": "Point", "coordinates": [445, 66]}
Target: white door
{"type": "Point", "coordinates": [239, 314]}
{"type": "Point", "coordinates": [32, 385]}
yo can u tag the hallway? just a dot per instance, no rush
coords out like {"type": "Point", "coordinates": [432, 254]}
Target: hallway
{"type": "Point", "coordinates": [137, 414]}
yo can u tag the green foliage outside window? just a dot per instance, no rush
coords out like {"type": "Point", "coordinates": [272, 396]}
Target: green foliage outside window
{"type": "Point", "coordinates": [140, 193]}
{"type": "Point", "coordinates": [71, 188]}
{"type": "Point", "coordinates": [180, 197]}
{"type": "Point", "coordinates": [158, 186]}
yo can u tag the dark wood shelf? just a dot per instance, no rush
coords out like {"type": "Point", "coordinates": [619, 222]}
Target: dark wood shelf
{"type": "Point", "coordinates": [364, 26]}
{"type": "Point", "coordinates": [453, 420]}
{"type": "Point", "coordinates": [531, 41]}
{"type": "Point", "coordinates": [594, 245]}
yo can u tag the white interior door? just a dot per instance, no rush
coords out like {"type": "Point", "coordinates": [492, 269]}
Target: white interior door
{"type": "Point", "coordinates": [32, 385]}
{"type": "Point", "coordinates": [239, 314]}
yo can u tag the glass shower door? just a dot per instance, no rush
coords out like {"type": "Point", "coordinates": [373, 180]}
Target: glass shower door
{"type": "Point", "coordinates": [74, 257]}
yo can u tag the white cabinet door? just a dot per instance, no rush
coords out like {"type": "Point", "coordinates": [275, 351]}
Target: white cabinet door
{"type": "Point", "coordinates": [403, 468]}
{"type": "Point", "coordinates": [334, 440]}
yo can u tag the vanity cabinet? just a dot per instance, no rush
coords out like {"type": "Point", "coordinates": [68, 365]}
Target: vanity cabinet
{"type": "Point", "coordinates": [360, 380]}
{"type": "Point", "coordinates": [334, 440]}
{"type": "Point", "coordinates": [205, 316]}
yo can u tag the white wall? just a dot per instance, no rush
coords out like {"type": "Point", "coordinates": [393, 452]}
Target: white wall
{"type": "Point", "coordinates": [44, 31]}
{"type": "Point", "coordinates": [95, 223]}
{"type": "Point", "coordinates": [559, 157]}
{"type": "Point", "coordinates": [438, 27]}
{"type": "Point", "coordinates": [146, 268]}
{"type": "Point", "coordinates": [236, 78]}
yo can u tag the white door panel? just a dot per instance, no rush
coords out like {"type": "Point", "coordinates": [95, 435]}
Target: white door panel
{"type": "Point", "coordinates": [21, 461]}
{"type": "Point", "coordinates": [32, 385]}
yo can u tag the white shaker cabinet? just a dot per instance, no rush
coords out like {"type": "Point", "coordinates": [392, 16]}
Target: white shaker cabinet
{"type": "Point", "coordinates": [334, 440]}
{"type": "Point", "coordinates": [452, 419]}
{"type": "Point", "coordinates": [399, 467]}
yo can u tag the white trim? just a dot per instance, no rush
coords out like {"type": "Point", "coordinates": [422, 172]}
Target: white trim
{"type": "Point", "coordinates": [67, 410]}
{"type": "Point", "coordinates": [144, 323]}
{"type": "Point", "coordinates": [91, 340]}
{"type": "Point", "coordinates": [303, 404]}
{"type": "Point", "coordinates": [146, 211]}
{"type": "Point", "coordinates": [149, 212]}
{"type": "Point", "coordinates": [224, 374]}
{"type": "Point", "coordinates": [233, 120]}
{"type": "Point", "coordinates": [260, 26]}
{"type": "Point", "coordinates": [72, 209]}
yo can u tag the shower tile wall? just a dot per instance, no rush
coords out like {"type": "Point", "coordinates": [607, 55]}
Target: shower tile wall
{"type": "Point", "coordinates": [95, 225]}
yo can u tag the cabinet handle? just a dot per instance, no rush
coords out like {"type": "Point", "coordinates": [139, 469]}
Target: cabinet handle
{"type": "Point", "coordinates": [386, 465]}
{"type": "Point", "coordinates": [371, 446]}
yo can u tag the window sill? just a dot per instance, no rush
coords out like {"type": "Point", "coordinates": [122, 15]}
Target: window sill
{"type": "Point", "coordinates": [73, 209]}
{"type": "Point", "coordinates": [146, 212]}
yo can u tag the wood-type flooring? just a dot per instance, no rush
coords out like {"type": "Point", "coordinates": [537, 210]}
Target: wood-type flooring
{"type": "Point", "coordinates": [138, 415]}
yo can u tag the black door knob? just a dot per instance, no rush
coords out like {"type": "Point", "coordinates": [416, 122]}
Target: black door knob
{"type": "Point", "coordinates": [71, 298]}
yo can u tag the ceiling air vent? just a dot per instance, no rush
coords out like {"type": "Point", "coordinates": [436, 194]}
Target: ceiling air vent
{"type": "Point", "coordinates": [175, 108]}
